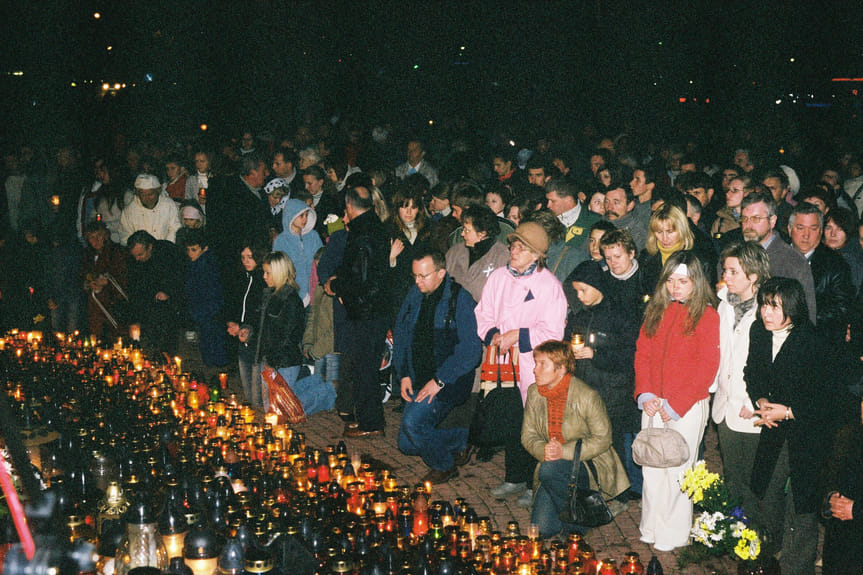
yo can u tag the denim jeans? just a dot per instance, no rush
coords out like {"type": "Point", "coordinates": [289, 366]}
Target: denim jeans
{"type": "Point", "coordinates": [419, 434]}
{"type": "Point", "coordinates": [633, 470]}
{"type": "Point", "coordinates": [253, 385]}
{"type": "Point", "coordinates": [551, 497]}
{"type": "Point", "coordinates": [328, 367]}
{"type": "Point", "coordinates": [313, 392]}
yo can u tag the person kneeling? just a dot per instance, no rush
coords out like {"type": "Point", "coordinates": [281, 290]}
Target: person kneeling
{"type": "Point", "coordinates": [560, 410]}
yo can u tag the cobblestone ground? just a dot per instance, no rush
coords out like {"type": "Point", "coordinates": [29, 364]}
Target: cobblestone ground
{"type": "Point", "coordinates": [475, 479]}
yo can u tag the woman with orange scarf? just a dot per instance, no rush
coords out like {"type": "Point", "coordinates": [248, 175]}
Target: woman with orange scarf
{"type": "Point", "coordinates": [560, 410]}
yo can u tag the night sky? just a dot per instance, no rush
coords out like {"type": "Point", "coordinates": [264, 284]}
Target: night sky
{"type": "Point", "coordinates": [273, 63]}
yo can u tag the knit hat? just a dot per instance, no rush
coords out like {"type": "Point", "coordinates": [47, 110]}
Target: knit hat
{"type": "Point", "coordinates": [147, 182]}
{"type": "Point", "coordinates": [590, 273]}
{"type": "Point", "coordinates": [274, 184]}
{"type": "Point", "coordinates": [532, 235]}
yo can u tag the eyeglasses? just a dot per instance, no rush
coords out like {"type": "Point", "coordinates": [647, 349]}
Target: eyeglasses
{"type": "Point", "coordinates": [754, 219]}
{"type": "Point", "coordinates": [424, 276]}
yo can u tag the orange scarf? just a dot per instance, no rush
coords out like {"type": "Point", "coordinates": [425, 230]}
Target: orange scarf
{"type": "Point", "coordinates": [555, 398]}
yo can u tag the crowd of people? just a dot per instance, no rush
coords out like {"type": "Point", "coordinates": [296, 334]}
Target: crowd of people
{"type": "Point", "coordinates": [627, 288]}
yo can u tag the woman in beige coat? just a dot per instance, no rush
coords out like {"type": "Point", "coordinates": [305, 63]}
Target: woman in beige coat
{"type": "Point", "coordinates": [560, 410]}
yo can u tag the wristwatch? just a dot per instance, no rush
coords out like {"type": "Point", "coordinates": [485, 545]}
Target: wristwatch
{"type": "Point", "coordinates": [439, 383]}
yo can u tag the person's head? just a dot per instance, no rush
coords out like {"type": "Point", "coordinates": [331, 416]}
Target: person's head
{"type": "Point", "coordinates": [839, 228]}
{"type": "Point", "coordinates": [552, 361]}
{"type": "Point", "coordinates": [97, 235]}
{"type": "Point", "coordinates": [590, 282]}
{"type": "Point", "coordinates": [668, 229]}
{"type": "Point", "coordinates": [682, 280]}
{"type": "Point", "coordinates": [618, 202]}
{"type": "Point", "coordinates": [598, 159]}
{"type": "Point", "coordinates": [191, 214]}
{"type": "Point", "coordinates": [597, 232]}
{"type": "Point", "coordinates": [503, 161]}
{"type": "Point", "coordinates": [528, 245]}
{"type": "Point", "coordinates": [478, 223]}
{"type": "Point", "coordinates": [464, 194]}
{"type": "Point", "coordinates": [554, 228]}
{"type": "Point", "coordinates": [643, 183]}
{"type": "Point", "coordinates": [247, 140]}
{"type": "Point", "coordinates": [817, 195]}
{"type": "Point", "coordinates": [252, 254]}
{"type": "Point", "coordinates": [831, 178]}
{"type": "Point", "coordinates": [776, 180]}
{"type": "Point", "coordinates": [148, 189]}
{"type": "Point", "coordinates": [618, 249]}
{"type": "Point", "coordinates": [276, 189]}
{"type": "Point", "coordinates": [538, 172]}
{"type": "Point", "coordinates": [519, 209]}
{"type": "Point", "coordinates": [408, 207]}
{"type": "Point", "coordinates": [284, 160]}
{"type": "Point", "coordinates": [358, 200]}
{"type": "Point", "coordinates": [279, 271]}
{"type": "Point", "coordinates": [782, 303]}
{"type": "Point", "coordinates": [595, 201]}
{"type": "Point", "coordinates": [308, 157]}
{"type": "Point", "coordinates": [694, 209]}
{"type": "Point", "coordinates": [497, 196]}
{"type": "Point", "coordinates": [697, 185]}
{"type": "Point", "coordinates": [140, 245]}
{"type": "Point", "coordinates": [440, 195]}
{"type": "Point", "coordinates": [743, 160]}
{"type": "Point", "coordinates": [202, 161]}
{"type": "Point", "coordinates": [805, 226]}
{"type": "Point", "coordinates": [415, 152]}
{"type": "Point", "coordinates": [728, 174]}
{"type": "Point", "coordinates": [561, 158]}
{"type": "Point", "coordinates": [313, 179]}
{"type": "Point", "coordinates": [758, 216]}
{"type": "Point", "coordinates": [428, 270]}
{"type": "Point", "coordinates": [744, 267]}
{"type": "Point", "coordinates": [196, 244]}
{"type": "Point", "coordinates": [561, 195]}
{"type": "Point", "coordinates": [738, 188]}
{"type": "Point", "coordinates": [253, 170]}
{"type": "Point", "coordinates": [173, 167]}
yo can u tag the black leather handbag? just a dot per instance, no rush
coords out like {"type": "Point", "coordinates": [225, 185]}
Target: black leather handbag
{"type": "Point", "coordinates": [586, 507]}
{"type": "Point", "coordinates": [498, 415]}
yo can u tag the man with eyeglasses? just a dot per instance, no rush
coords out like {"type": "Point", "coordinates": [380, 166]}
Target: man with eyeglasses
{"type": "Point", "coordinates": [435, 353]}
{"type": "Point", "coordinates": [758, 222]}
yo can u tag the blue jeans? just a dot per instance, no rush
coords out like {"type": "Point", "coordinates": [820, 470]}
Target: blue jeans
{"type": "Point", "coordinates": [419, 435]}
{"type": "Point", "coordinates": [328, 367]}
{"type": "Point", "coordinates": [314, 393]}
{"type": "Point", "coordinates": [551, 497]}
{"type": "Point", "coordinates": [633, 470]}
{"type": "Point", "coordinates": [253, 386]}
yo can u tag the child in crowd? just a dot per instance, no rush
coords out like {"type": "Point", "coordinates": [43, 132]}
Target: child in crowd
{"type": "Point", "coordinates": [205, 298]}
{"type": "Point", "coordinates": [300, 242]}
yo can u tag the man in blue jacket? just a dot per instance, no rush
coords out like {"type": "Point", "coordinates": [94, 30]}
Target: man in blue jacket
{"type": "Point", "coordinates": [435, 353]}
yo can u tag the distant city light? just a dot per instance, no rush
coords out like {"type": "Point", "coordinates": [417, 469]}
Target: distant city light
{"type": "Point", "coordinates": [791, 59]}
{"type": "Point", "coordinates": [431, 122]}
{"type": "Point", "coordinates": [779, 101]}
{"type": "Point", "coordinates": [781, 150]}
{"type": "Point", "coordinates": [148, 77]}
{"type": "Point", "coordinates": [110, 48]}
{"type": "Point", "coordinates": [461, 48]}
{"type": "Point", "coordinates": [106, 87]}
{"type": "Point", "coordinates": [96, 15]}
{"type": "Point", "coordinates": [116, 86]}
{"type": "Point", "coordinates": [73, 84]}
{"type": "Point", "coordinates": [18, 73]}
{"type": "Point", "coordinates": [416, 66]}
{"type": "Point", "coordinates": [203, 127]}
{"type": "Point", "coordinates": [682, 100]}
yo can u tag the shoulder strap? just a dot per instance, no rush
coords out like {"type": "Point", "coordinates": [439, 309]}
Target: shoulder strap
{"type": "Point", "coordinates": [454, 290]}
{"type": "Point", "coordinates": [576, 465]}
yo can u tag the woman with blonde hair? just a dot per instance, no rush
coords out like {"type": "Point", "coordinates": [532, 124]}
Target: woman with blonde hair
{"type": "Point", "coordinates": [676, 359]}
{"type": "Point", "coordinates": [667, 233]}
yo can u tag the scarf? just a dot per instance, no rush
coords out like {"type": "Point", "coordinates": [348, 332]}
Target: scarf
{"type": "Point", "coordinates": [628, 274]}
{"type": "Point", "coordinates": [740, 307]}
{"type": "Point", "coordinates": [410, 231]}
{"type": "Point", "coordinates": [516, 274]}
{"type": "Point", "coordinates": [665, 252]}
{"type": "Point", "coordinates": [555, 398]}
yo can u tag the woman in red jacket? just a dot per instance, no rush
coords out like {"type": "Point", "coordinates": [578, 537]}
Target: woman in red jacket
{"type": "Point", "coordinates": [676, 360]}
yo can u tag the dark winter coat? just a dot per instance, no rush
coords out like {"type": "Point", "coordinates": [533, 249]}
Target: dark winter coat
{"type": "Point", "coordinates": [283, 319]}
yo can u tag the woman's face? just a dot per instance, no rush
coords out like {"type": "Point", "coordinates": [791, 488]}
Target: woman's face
{"type": "Point", "coordinates": [736, 279]}
{"type": "Point", "coordinates": [513, 215]}
{"type": "Point", "coordinates": [470, 235]}
{"type": "Point", "coordinates": [604, 177]}
{"type": "Point", "coordinates": [332, 175]}
{"type": "Point", "coordinates": [172, 170]}
{"type": "Point", "coordinates": [408, 212]}
{"type": "Point", "coordinates": [268, 278]}
{"type": "Point", "coordinates": [734, 195]}
{"type": "Point", "coordinates": [545, 372]}
{"type": "Point", "coordinates": [275, 197]}
{"type": "Point", "coordinates": [520, 257]}
{"type": "Point", "coordinates": [202, 163]}
{"type": "Point", "coordinates": [834, 236]}
{"type": "Point", "coordinates": [248, 260]}
{"type": "Point", "coordinates": [494, 202]}
{"type": "Point", "coordinates": [679, 287]}
{"type": "Point", "coordinates": [667, 235]}
{"type": "Point", "coordinates": [597, 204]}
{"type": "Point", "coordinates": [593, 244]}
{"type": "Point", "coordinates": [772, 315]}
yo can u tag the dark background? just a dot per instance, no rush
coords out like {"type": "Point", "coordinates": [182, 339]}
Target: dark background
{"type": "Point", "coordinates": [526, 66]}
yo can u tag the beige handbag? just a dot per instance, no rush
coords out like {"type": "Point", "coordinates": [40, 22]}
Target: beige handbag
{"type": "Point", "coordinates": [659, 447]}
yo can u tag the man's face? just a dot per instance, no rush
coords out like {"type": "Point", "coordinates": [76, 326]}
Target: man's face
{"type": "Point", "coordinates": [501, 168]}
{"type": "Point", "coordinates": [702, 195]}
{"type": "Point", "coordinates": [559, 204]}
{"type": "Point", "coordinates": [313, 184]}
{"type": "Point", "coordinates": [639, 184]}
{"type": "Point", "coordinates": [194, 252]}
{"type": "Point", "coordinates": [741, 160]}
{"type": "Point", "coordinates": [755, 223]}
{"type": "Point", "coordinates": [149, 198]}
{"type": "Point", "coordinates": [247, 141]}
{"type": "Point", "coordinates": [618, 259]}
{"type": "Point", "coordinates": [775, 187]}
{"type": "Point", "coordinates": [415, 153]}
{"type": "Point", "coordinates": [596, 162]}
{"type": "Point", "coordinates": [281, 168]}
{"type": "Point", "coordinates": [536, 176]}
{"type": "Point", "coordinates": [805, 232]}
{"type": "Point", "coordinates": [256, 177]}
{"type": "Point", "coordinates": [96, 240]}
{"type": "Point", "coordinates": [202, 163]}
{"type": "Point", "coordinates": [427, 278]}
{"type": "Point", "coordinates": [728, 174]}
{"type": "Point", "coordinates": [141, 253]}
{"type": "Point", "coordinates": [615, 204]}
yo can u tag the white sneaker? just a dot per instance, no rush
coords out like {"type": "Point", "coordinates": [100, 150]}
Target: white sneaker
{"type": "Point", "coordinates": [506, 489]}
{"type": "Point", "coordinates": [525, 500]}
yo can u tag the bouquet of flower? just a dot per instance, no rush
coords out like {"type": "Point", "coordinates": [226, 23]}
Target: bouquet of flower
{"type": "Point", "coordinates": [721, 528]}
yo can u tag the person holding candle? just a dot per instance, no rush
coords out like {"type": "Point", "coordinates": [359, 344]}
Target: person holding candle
{"type": "Point", "coordinates": [676, 358]}
{"type": "Point", "coordinates": [560, 410]}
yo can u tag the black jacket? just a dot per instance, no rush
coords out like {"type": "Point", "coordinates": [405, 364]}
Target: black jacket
{"type": "Point", "coordinates": [283, 320]}
{"type": "Point", "coordinates": [361, 280]}
{"type": "Point", "coordinates": [793, 379]}
{"type": "Point", "coordinates": [834, 293]}
{"type": "Point", "coordinates": [234, 213]}
{"type": "Point", "coordinates": [161, 273]}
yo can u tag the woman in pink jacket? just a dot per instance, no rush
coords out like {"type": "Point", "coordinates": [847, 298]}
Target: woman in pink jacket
{"type": "Point", "coordinates": [522, 305]}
